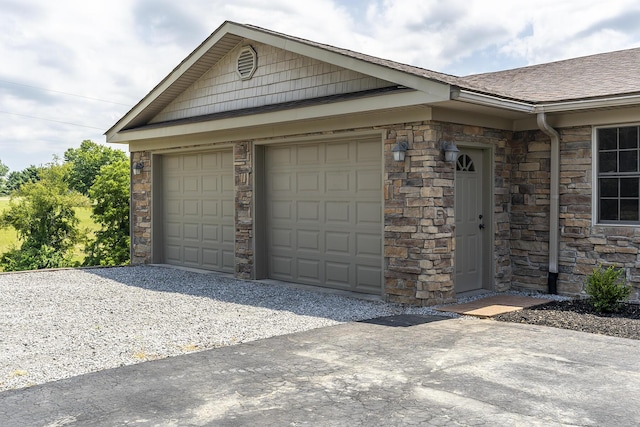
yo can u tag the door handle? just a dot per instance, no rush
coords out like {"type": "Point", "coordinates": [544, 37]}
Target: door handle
{"type": "Point", "coordinates": [481, 226]}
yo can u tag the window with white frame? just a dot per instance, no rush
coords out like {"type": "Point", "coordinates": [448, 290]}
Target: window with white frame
{"type": "Point", "coordinates": [618, 175]}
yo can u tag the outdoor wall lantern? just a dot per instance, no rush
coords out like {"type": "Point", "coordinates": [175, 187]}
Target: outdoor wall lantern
{"type": "Point", "coordinates": [137, 168]}
{"type": "Point", "coordinates": [450, 151]}
{"type": "Point", "coordinates": [399, 151]}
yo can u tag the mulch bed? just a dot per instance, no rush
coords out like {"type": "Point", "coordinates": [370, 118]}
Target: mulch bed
{"type": "Point", "coordinates": [578, 315]}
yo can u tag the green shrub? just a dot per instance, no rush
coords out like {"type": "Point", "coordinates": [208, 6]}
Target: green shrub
{"type": "Point", "coordinates": [606, 287]}
{"type": "Point", "coordinates": [33, 258]}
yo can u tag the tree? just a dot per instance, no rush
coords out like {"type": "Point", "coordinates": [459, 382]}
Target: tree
{"type": "Point", "coordinates": [16, 179]}
{"type": "Point", "coordinates": [43, 215]}
{"type": "Point", "coordinates": [86, 162]}
{"type": "Point", "coordinates": [110, 197]}
{"type": "Point", "coordinates": [4, 170]}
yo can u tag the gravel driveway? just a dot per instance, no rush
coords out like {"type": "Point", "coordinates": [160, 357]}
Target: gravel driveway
{"type": "Point", "coordinates": [57, 324]}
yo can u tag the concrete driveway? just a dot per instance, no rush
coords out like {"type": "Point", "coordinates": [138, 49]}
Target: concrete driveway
{"type": "Point", "coordinates": [406, 370]}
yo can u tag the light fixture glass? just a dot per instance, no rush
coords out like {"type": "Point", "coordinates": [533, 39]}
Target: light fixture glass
{"type": "Point", "coordinates": [137, 168]}
{"type": "Point", "coordinates": [399, 151]}
{"type": "Point", "coordinates": [450, 151]}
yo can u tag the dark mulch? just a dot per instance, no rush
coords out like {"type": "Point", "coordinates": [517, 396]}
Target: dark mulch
{"type": "Point", "coordinates": [578, 315]}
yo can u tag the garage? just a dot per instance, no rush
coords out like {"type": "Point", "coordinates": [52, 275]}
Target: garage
{"type": "Point", "coordinates": [324, 214]}
{"type": "Point", "coordinates": [198, 210]}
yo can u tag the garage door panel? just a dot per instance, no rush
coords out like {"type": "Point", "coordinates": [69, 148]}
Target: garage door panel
{"type": "Point", "coordinates": [338, 273]}
{"type": "Point", "coordinates": [173, 207]}
{"type": "Point", "coordinates": [309, 270]}
{"type": "Point", "coordinates": [281, 182]}
{"type": "Point", "coordinates": [191, 208]}
{"type": "Point", "coordinates": [191, 232]}
{"type": "Point", "coordinates": [368, 213]}
{"type": "Point", "coordinates": [365, 276]}
{"type": "Point", "coordinates": [210, 258]}
{"type": "Point", "coordinates": [171, 164]}
{"type": "Point", "coordinates": [369, 245]}
{"type": "Point", "coordinates": [338, 181]}
{"type": "Point", "coordinates": [228, 260]}
{"type": "Point", "coordinates": [227, 183]}
{"type": "Point", "coordinates": [308, 154]}
{"type": "Point", "coordinates": [368, 180]}
{"type": "Point", "coordinates": [210, 209]}
{"type": "Point", "coordinates": [191, 255]}
{"type": "Point", "coordinates": [308, 182]}
{"type": "Point", "coordinates": [281, 156]}
{"type": "Point", "coordinates": [172, 253]}
{"type": "Point", "coordinates": [281, 267]}
{"type": "Point", "coordinates": [211, 161]}
{"type": "Point", "coordinates": [228, 234]}
{"type": "Point", "coordinates": [338, 212]}
{"type": "Point", "coordinates": [210, 184]}
{"type": "Point", "coordinates": [210, 233]}
{"type": "Point", "coordinates": [172, 230]}
{"type": "Point", "coordinates": [191, 184]}
{"type": "Point", "coordinates": [367, 151]}
{"type": "Point", "coordinates": [172, 186]}
{"type": "Point", "coordinates": [308, 240]}
{"type": "Point", "coordinates": [281, 210]}
{"type": "Point", "coordinates": [228, 209]}
{"type": "Point", "coordinates": [337, 243]}
{"type": "Point", "coordinates": [198, 210]}
{"type": "Point", "coordinates": [338, 153]}
{"type": "Point", "coordinates": [316, 211]}
{"type": "Point", "coordinates": [190, 162]}
{"type": "Point", "coordinates": [282, 238]}
{"type": "Point", "coordinates": [308, 211]}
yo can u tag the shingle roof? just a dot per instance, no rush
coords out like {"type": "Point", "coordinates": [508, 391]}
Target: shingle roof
{"type": "Point", "coordinates": [606, 74]}
{"type": "Point", "coordinates": [589, 77]}
{"type": "Point", "coordinates": [422, 72]}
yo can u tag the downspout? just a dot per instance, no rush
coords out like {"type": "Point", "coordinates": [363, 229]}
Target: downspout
{"type": "Point", "coordinates": [554, 208]}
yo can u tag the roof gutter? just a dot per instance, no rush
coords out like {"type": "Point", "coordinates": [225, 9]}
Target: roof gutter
{"type": "Point", "coordinates": [465, 95]}
{"type": "Point", "coordinates": [554, 208]}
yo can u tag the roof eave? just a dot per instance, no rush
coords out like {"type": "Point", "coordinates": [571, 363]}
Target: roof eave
{"type": "Point", "coordinates": [465, 95]}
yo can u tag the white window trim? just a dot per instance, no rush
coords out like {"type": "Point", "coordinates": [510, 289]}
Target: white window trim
{"type": "Point", "coordinates": [595, 189]}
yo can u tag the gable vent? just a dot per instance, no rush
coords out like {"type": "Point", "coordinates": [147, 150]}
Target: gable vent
{"type": "Point", "coordinates": [247, 63]}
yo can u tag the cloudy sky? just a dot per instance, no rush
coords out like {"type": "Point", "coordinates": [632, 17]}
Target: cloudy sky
{"type": "Point", "coordinates": [70, 69]}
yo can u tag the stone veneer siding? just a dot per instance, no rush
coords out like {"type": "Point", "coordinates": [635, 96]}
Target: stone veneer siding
{"type": "Point", "coordinates": [419, 234]}
{"type": "Point", "coordinates": [418, 207]}
{"type": "Point", "coordinates": [419, 211]}
{"type": "Point", "coordinates": [582, 245]}
{"type": "Point", "coordinates": [141, 210]}
{"type": "Point", "coordinates": [243, 169]}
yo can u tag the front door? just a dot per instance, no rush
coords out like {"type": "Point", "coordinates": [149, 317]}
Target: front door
{"type": "Point", "coordinates": [470, 221]}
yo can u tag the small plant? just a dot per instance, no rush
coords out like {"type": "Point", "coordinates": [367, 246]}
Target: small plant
{"type": "Point", "coordinates": [606, 287]}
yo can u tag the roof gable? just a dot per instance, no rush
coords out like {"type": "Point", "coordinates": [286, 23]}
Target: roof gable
{"type": "Point", "coordinates": [281, 77]}
{"type": "Point", "coordinates": [230, 35]}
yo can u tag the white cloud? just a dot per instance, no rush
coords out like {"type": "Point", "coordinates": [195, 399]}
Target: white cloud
{"type": "Point", "coordinates": [119, 50]}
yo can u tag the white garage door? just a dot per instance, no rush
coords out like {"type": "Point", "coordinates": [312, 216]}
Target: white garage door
{"type": "Point", "coordinates": [324, 214]}
{"type": "Point", "coordinates": [198, 208]}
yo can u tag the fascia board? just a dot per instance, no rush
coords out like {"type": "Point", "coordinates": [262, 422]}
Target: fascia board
{"type": "Point", "coordinates": [188, 62]}
{"type": "Point", "coordinates": [356, 106]}
{"type": "Point", "coordinates": [589, 104]}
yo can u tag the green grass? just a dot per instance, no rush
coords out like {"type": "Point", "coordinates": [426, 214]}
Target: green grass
{"type": "Point", "coordinates": [9, 237]}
